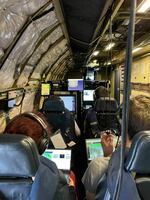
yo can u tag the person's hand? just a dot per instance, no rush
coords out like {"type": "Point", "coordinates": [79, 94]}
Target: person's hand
{"type": "Point", "coordinates": [71, 182]}
{"type": "Point", "coordinates": [107, 141]}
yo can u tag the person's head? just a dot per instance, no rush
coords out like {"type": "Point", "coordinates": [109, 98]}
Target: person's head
{"type": "Point", "coordinates": [100, 92]}
{"type": "Point", "coordinates": [53, 108]}
{"type": "Point", "coordinates": [53, 103]}
{"type": "Point", "coordinates": [29, 125]}
{"type": "Point", "coordinates": [139, 115]}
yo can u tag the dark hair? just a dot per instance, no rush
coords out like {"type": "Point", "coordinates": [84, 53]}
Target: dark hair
{"type": "Point", "coordinates": [55, 98]}
{"type": "Point", "coordinates": [52, 103]}
{"type": "Point", "coordinates": [101, 91]}
{"type": "Point", "coordinates": [139, 115]}
{"type": "Point", "coordinates": [25, 125]}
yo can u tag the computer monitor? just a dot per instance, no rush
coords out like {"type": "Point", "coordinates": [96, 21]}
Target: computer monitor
{"type": "Point", "coordinates": [75, 84]}
{"type": "Point", "coordinates": [69, 101]}
{"type": "Point", "coordinates": [90, 75]}
{"type": "Point", "coordinates": [94, 148]}
{"type": "Point", "coordinates": [88, 95]}
{"type": "Point", "coordinates": [11, 103]}
{"type": "Point", "coordinates": [45, 89]}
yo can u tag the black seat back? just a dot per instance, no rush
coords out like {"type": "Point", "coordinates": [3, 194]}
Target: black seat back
{"type": "Point", "coordinates": [138, 161]}
{"type": "Point", "coordinates": [19, 162]}
{"type": "Point", "coordinates": [107, 116]}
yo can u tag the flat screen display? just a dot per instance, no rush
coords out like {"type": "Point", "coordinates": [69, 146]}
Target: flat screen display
{"type": "Point", "coordinates": [45, 89]}
{"type": "Point", "coordinates": [90, 75]}
{"type": "Point", "coordinates": [75, 84]}
{"type": "Point", "coordinates": [11, 103]}
{"type": "Point", "coordinates": [88, 95]}
{"type": "Point", "coordinates": [70, 102]}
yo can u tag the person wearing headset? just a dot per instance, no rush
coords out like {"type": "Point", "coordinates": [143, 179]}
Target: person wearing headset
{"type": "Point", "coordinates": [139, 120]}
{"type": "Point", "coordinates": [35, 125]}
{"type": "Point", "coordinates": [98, 166]}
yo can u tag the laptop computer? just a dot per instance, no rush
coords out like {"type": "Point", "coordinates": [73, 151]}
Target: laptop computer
{"type": "Point", "coordinates": [62, 159]}
{"type": "Point", "coordinates": [94, 148]}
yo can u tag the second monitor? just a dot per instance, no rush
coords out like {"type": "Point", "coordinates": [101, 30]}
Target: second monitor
{"type": "Point", "coordinates": [69, 101]}
{"type": "Point", "coordinates": [88, 95]}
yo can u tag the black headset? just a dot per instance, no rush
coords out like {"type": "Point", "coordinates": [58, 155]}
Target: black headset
{"type": "Point", "coordinates": [44, 140]}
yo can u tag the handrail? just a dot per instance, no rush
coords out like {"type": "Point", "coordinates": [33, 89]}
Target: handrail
{"type": "Point", "coordinates": [126, 97]}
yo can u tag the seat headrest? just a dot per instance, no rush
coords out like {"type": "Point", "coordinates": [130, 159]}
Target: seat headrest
{"type": "Point", "coordinates": [53, 105]}
{"type": "Point", "coordinates": [18, 156]}
{"type": "Point", "coordinates": [106, 105]}
{"type": "Point", "coordinates": [138, 159]}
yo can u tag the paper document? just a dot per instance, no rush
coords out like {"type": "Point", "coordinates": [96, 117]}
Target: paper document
{"type": "Point", "coordinates": [58, 141]}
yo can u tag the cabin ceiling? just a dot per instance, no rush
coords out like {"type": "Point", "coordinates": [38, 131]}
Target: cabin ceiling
{"type": "Point", "coordinates": [82, 18]}
{"type": "Point", "coordinates": [33, 42]}
{"type": "Point", "coordinates": [43, 39]}
{"type": "Point", "coordinates": [90, 28]}
{"type": "Point", "coordinates": [118, 35]}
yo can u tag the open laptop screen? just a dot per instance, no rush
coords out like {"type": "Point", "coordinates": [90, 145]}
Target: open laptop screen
{"type": "Point", "coordinates": [94, 148]}
{"type": "Point", "coordinates": [62, 158]}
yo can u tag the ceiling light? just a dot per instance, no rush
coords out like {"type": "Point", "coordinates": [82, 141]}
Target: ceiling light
{"type": "Point", "coordinates": [136, 49]}
{"type": "Point", "coordinates": [109, 46]}
{"type": "Point", "coordinates": [93, 64]}
{"type": "Point", "coordinates": [94, 61]}
{"type": "Point", "coordinates": [109, 63]}
{"type": "Point", "coordinates": [95, 53]}
{"type": "Point", "coordinates": [144, 6]}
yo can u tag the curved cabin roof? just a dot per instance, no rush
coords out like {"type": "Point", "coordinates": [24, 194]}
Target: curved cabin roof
{"type": "Point", "coordinates": [43, 39]}
{"type": "Point", "coordinates": [32, 42]}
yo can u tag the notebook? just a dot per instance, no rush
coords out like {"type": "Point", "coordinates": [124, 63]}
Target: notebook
{"type": "Point", "coordinates": [62, 159]}
{"type": "Point", "coordinates": [94, 148]}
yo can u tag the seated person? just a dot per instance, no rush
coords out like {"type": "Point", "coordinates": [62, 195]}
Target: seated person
{"type": "Point", "coordinates": [61, 118]}
{"type": "Point", "coordinates": [139, 121]}
{"type": "Point", "coordinates": [35, 126]}
{"type": "Point", "coordinates": [29, 126]}
{"type": "Point", "coordinates": [98, 166]}
{"type": "Point", "coordinates": [139, 116]}
{"type": "Point", "coordinates": [91, 128]}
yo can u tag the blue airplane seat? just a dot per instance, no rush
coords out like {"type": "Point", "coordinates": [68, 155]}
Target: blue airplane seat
{"type": "Point", "coordinates": [23, 173]}
{"type": "Point", "coordinates": [136, 173]}
{"type": "Point", "coordinates": [138, 161]}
